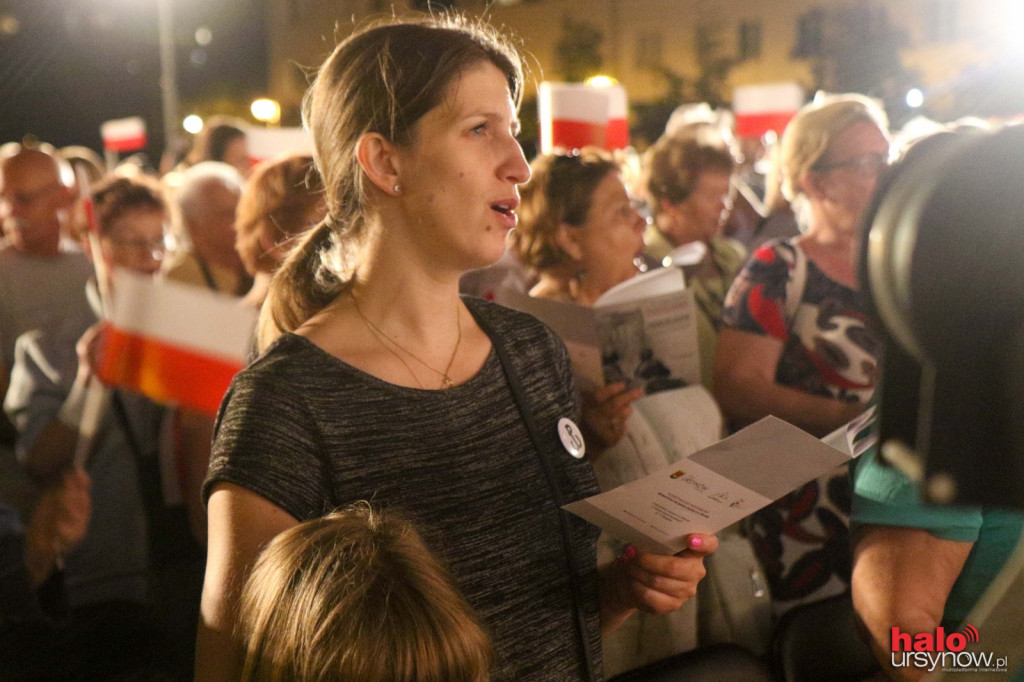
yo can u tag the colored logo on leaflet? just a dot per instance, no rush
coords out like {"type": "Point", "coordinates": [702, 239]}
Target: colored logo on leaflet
{"type": "Point", "coordinates": [943, 651]}
{"type": "Point", "coordinates": [677, 474]}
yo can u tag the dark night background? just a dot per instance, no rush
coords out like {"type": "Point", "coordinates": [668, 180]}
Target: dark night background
{"type": "Point", "coordinates": [68, 65]}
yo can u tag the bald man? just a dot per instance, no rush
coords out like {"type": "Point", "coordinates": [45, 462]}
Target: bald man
{"type": "Point", "coordinates": [42, 274]}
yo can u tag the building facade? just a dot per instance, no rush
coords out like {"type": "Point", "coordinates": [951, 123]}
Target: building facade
{"type": "Point", "coordinates": [695, 49]}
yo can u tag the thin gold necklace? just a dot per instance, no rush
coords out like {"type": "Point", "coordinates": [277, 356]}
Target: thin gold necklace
{"type": "Point", "coordinates": [446, 381]}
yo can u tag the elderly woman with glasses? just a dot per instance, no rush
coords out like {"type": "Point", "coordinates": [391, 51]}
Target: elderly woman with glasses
{"type": "Point", "coordinates": [796, 342]}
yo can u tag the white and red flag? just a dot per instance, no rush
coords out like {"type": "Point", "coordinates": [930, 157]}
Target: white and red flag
{"type": "Point", "coordinates": [618, 118]}
{"type": "Point", "coordinates": [174, 343]}
{"type": "Point", "coordinates": [124, 134]}
{"type": "Point", "coordinates": [763, 108]}
{"type": "Point", "coordinates": [576, 115]}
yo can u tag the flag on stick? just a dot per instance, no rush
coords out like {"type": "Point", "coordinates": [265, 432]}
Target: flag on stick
{"type": "Point", "coordinates": [124, 134]}
{"type": "Point", "coordinates": [95, 405]}
{"type": "Point", "coordinates": [760, 108]}
{"type": "Point", "coordinates": [174, 343]}
{"type": "Point", "coordinates": [576, 115]}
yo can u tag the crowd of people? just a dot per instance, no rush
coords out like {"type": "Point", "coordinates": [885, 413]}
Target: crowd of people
{"type": "Point", "coordinates": [381, 496]}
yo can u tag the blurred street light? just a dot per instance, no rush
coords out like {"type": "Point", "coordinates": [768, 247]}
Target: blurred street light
{"type": "Point", "coordinates": [601, 81]}
{"type": "Point", "coordinates": [266, 110]}
{"type": "Point", "coordinates": [9, 25]}
{"type": "Point", "coordinates": [192, 124]}
{"type": "Point", "coordinates": [203, 35]}
{"type": "Point", "coordinates": [915, 98]}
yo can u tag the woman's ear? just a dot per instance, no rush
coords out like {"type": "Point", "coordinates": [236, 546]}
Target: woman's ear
{"type": "Point", "coordinates": [665, 219]}
{"type": "Point", "coordinates": [569, 239]}
{"type": "Point", "coordinates": [377, 157]}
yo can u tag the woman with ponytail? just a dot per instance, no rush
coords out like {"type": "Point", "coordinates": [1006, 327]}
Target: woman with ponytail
{"type": "Point", "coordinates": [378, 382]}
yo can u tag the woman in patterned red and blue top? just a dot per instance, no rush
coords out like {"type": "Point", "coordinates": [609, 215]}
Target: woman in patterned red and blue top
{"type": "Point", "coordinates": [796, 342]}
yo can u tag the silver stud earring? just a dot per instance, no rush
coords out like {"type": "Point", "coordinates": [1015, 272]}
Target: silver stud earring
{"type": "Point", "coordinates": [397, 188]}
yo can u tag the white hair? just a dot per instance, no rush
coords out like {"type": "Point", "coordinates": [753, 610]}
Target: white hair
{"type": "Point", "coordinates": [193, 181]}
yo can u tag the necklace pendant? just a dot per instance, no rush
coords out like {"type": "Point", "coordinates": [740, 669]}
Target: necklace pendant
{"type": "Point", "coordinates": [447, 382]}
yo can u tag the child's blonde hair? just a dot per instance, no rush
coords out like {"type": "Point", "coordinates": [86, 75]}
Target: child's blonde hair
{"type": "Point", "coordinates": [356, 596]}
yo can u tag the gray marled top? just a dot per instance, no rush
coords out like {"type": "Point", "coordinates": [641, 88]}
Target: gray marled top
{"type": "Point", "coordinates": [311, 433]}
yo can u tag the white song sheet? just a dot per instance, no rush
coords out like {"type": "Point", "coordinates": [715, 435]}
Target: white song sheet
{"type": "Point", "coordinates": [718, 485]}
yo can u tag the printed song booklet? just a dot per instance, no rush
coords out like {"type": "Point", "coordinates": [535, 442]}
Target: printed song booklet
{"type": "Point", "coordinates": [642, 331]}
{"type": "Point", "coordinates": [721, 484]}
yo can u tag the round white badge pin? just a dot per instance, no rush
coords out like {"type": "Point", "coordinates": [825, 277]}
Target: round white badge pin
{"type": "Point", "coordinates": [572, 438]}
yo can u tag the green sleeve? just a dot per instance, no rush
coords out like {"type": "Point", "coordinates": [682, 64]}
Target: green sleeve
{"type": "Point", "coordinates": [883, 495]}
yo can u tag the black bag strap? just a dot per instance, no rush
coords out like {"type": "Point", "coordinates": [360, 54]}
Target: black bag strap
{"type": "Point", "coordinates": [538, 443]}
{"type": "Point", "coordinates": [147, 468]}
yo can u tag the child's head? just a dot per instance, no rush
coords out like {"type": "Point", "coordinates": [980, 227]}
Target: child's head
{"type": "Point", "coordinates": [356, 596]}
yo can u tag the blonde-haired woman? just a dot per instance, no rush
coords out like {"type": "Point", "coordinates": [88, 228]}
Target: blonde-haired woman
{"type": "Point", "coordinates": [796, 341]}
{"type": "Point", "coordinates": [356, 595]}
{"type": "Point", "coordinates": [379, 382]}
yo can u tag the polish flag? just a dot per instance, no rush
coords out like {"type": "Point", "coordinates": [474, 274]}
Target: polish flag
{"type": "Point", "coordinates": [618, 118]}
{"type": "Point", "coordinates": [271, 143]}
{"type": "Point", "coordinates": [172, 342]}
{"type": "Point", "coordinates": [760, 108]}
{"type": "Point", "coordinates": [576, 115]}
{"type": "Point", "coordinates": [124, 134]}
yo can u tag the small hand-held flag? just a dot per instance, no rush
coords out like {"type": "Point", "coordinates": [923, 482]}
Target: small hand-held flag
{"type": "Point", "coordinates": [763, 108]}
{"type": "Point", "coordinates": [124, 134]}
{"type": "Point", "coordinates": [174, 343]}
{"type": "Point", "coordinates": [577, 115]}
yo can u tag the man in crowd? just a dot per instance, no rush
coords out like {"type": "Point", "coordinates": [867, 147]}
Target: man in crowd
{"type": "Point", "coordinates": [42, 273]}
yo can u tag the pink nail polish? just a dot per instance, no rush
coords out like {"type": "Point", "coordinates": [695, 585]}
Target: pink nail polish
{"type": "Point", "coordinates": [696, 542]}
{"type": "Point", "coordinates": [629, 553]}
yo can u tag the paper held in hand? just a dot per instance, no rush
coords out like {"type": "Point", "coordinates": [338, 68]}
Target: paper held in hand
{"type": "Point", "coordinates": [642, 331]}
{"type": "Point", "coordinates": [721, 484]}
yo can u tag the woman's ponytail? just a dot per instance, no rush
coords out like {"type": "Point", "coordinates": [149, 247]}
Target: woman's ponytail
{"type": "Point", "coordinates": [312, 276]}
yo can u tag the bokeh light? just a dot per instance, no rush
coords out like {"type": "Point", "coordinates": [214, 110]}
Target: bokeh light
{"type": "Point", "coordinates": [601, 81]}
{"type": "Point", "coordinates": [192, 124]}
{"type": "Point", "coordinates": [266, 110]}
{"type": "Point", "coordinates": [203, 35]}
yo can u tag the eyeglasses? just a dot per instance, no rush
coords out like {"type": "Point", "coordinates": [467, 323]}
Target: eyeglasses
{"type": "Point", "coordinates": [868, 164]}
{"type": "Point", "coordinates": [145, 248]}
